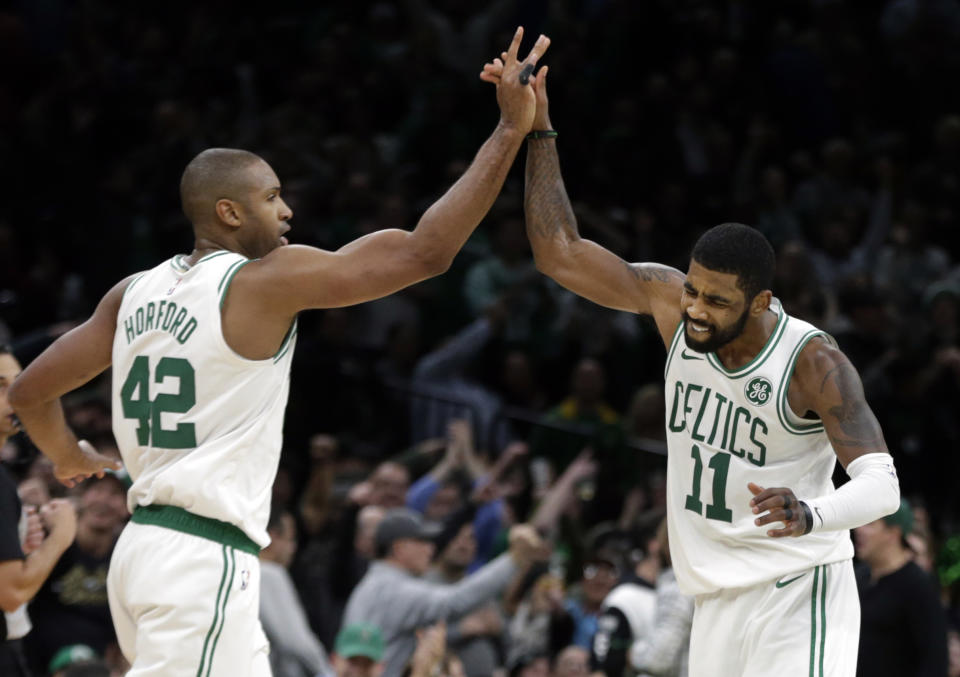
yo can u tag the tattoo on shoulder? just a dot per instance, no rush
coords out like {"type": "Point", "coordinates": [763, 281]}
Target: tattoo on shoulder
{"type": "Point", "coordinates": [856, 421]}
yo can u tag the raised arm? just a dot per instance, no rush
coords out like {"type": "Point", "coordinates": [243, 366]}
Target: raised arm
{"type": "Point", "coordinates": [295, 278]}
{"type": "Point", "coordinates": [73, 360]}
{"type": "Point", "coordinates": [578, 264]}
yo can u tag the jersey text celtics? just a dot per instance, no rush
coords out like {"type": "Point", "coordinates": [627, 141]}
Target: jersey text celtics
{"type": "Point", "coordinates": [726, 428]}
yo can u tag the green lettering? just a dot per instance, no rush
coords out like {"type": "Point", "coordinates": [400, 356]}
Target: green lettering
{"type": "Point", "coordinates": [168, 316]}
{"type": "Point", "coordinates": [139, 316]}
{"type": "Point", "coordinates": [128, 329]}
{"type": "Point", "coordinates": [733, 437]}
{"type": "Point", "coordinates": [758, 422]}
{"type": "Point", "coordinates": [181, 316]}
{"type": "Point", "coordinates": [187, 331]}
{"type": "Point", "coordinates": [691, 387]}
{"type": "Point", "coordinates": [726, 425]}
{"type": "Point", "coordinates": [151, 311]}
{"type": "Point", "coordinates": [721, 400]}
{"type": "Point", "coordinates": [677, 392]}
{"type": "Point", "coordinates": [703, 407]}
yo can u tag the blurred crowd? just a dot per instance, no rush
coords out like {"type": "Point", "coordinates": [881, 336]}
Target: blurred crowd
{"type": "Point", "coordinates": [490, 398]}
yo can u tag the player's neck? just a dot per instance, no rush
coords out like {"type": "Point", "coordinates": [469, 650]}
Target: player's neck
{"type": "Point", "coordinates": [204, 246]}
{"type": "Point", "coordinates": [743, 349]}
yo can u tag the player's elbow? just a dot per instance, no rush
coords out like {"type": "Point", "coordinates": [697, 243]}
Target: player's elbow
{"type": "Point", "coordinates": [430, 261]}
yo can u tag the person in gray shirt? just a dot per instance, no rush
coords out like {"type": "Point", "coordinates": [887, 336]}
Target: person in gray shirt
{"type": "Point", "coordinates": [393, 597]}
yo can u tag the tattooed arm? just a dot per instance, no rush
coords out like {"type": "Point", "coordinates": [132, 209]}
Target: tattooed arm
{"type": "Point", "coordinates": [580, 265]}
{"type": "Point", "coordinates": [826, 383]}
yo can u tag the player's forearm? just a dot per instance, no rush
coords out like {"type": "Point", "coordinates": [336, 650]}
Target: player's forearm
{"type": "Point", "coordinates": [47, 427]}
{"type": "Point", "coordinates": [446, 225]}
{"type": "Point", "coordinates": [551, 224]}
{"type": "Point", "coordinates": [872, 492]}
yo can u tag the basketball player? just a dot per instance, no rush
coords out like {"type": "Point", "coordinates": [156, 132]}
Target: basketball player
{"type": "Point", "coordinates": [760, 405]}
{"type": "Point", "coordinates": [201, 348]}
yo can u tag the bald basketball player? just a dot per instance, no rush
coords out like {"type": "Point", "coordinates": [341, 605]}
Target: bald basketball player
{"type": "Point", "coordinates": [200, 348]}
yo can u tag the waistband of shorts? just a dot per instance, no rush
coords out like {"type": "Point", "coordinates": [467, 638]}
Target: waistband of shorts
{"type": "Point", "coordinates": [178, 519]}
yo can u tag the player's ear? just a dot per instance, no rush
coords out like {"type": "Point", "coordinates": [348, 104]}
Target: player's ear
{"type": "Point", "coordinates": [228, 212]}
{"type": "Point", "coordinates": [761, 302]}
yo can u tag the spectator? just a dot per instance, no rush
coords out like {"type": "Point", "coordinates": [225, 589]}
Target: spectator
{"type": "Point", "coordinates": [903, 627]}
{"type": "Point", "coordinates": [664, 651]}
{"type": "Point", "coordinates": [577, 622]}
{"type": "Point", "coordinates": [72, 608]}
{"type": "Point", "coordinates": [392, 596]}
{"type": "Point", "coordinates": [358, 651]}
{"type": "Point", "coordinates": [530, 665]}
{"type": "Point", "coordinates": [573, 661]}
{"type": "Point", "coordinates": [23, 571]}
{"type": "Point", "coordinates": [294, 650]}
{"type": "Point", "coordinates": [475, 639]}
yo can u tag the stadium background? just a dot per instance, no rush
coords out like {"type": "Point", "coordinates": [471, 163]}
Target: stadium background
{"type": "Point", "coordinates": [832, 126]}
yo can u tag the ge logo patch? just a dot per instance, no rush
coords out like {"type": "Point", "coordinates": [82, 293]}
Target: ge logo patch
{"type": "Point", "coordinates": [758, 391]}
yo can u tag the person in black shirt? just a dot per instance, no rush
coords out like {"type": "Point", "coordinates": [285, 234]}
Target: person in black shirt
{"type": "Point", "coordinates": [21, 575]}
{"type": "Point", "coordinates": [903, 627]}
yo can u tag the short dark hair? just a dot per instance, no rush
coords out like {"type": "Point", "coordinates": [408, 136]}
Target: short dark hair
{"type": "Point", "coordinates": [6, 349]}
{"type": "Point", "coordinates": [741, 250]}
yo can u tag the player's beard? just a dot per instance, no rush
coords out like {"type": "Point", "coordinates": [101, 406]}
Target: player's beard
{"type": "Point", "coordinates": [716, 338]}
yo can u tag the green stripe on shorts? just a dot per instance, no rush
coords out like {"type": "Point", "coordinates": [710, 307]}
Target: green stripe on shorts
{"type": "Point", "coordinates": [216, 616]}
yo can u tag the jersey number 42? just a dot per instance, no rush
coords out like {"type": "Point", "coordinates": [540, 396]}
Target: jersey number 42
{"type": "Point", "coordinates": [135, 398]}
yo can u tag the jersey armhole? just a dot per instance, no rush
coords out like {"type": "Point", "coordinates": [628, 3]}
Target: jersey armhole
{"type": "Point", "coordinates": [791, 421]}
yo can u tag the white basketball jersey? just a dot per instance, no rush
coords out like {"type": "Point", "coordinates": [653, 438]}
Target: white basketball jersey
{"type": "Point", "coordinates": [727, 428]}
{"type": "Point", "coordinates": [198, 426]}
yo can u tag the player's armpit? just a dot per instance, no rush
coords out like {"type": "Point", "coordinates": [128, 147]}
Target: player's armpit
{"type": "Point", "coordinates": [830, 386]}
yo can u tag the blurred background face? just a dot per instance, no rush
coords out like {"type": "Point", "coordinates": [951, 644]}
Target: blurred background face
{"type": "Point", "coordinates": [540, 667]}
{"type": "Point", "coordinates": [445, 501]}
{"type": "Point", "coordinates": [572, 662]}
{"type": "Point", "coordinates": [462, 549]}
{"type": "Point", "coordinates": [598, 580]}
{"type": "Point", "coordinates": [356, 666]}
{"type": "Point", "coordinates": [9, 368]}
{"type": "Point", "coordinates": [390, 483]}
{"type": "Point", "coordinates": [413, 555]}
{"type": "Point", "coordinates": [589, 382]}
{"type": "Point", "coordinates": [103, 506]}
{"type": "Point", "coordinates": [871, 539]}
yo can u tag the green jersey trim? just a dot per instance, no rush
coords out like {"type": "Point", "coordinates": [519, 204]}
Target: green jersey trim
{"type": "Point", "coordinates": [130, 286]}
{"type": "Point", "coordinates": [782, 404]}
{"type": "Point", "coordinates": [760, 358]}
{"type": "Point", "coordinates": [228, 278]}
{"type": "Point", "coordinates": [179, 264]}
{"type": "Point", "coordinates": [673, 347]}
{"type": "Point", "coordinates": [287, 342]}
{"type": "Point", "coordinates": [214, 255]}
{"type": "Point", "coordinates": [178, 519]}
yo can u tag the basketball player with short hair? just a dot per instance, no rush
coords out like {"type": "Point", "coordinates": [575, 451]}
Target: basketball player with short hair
{"type": "Point", "coordinates": [200, 348]}
{"type": "Point", "coordinates": [760, 406]}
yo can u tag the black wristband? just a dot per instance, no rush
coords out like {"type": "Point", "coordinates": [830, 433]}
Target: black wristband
{"type": "Point", "coordinates": [543, 134]}
{"type": "Point", "coordinates": [808, 516]}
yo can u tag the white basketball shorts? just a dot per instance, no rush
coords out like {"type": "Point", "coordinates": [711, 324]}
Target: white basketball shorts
{"type": "Point", "coordinates": [184, 594]}
{"type": "Point", "coordinates": [804, 624]}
